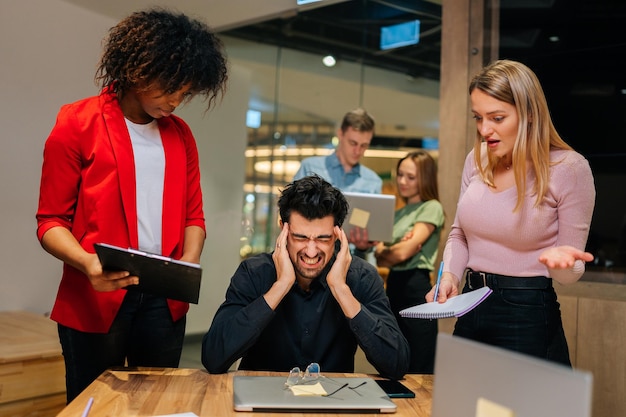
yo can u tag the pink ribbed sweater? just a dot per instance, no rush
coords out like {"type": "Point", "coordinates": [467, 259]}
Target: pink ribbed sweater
{"type": "Point", "coordinates": [487, 236]}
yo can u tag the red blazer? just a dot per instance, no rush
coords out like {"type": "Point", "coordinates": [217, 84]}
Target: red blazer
{"type": "Point", "coordinates": [88, 187]}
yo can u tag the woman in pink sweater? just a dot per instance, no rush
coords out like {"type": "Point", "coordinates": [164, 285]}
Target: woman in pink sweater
{"type": "Point", "coordinates": [522, 218]}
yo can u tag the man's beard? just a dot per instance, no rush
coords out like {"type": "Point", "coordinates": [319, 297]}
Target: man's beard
{"type": "Point", "coordinates": [309, 273]}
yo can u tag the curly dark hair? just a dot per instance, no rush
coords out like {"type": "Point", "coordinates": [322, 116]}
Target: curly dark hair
{"type": "Point", "coordinates": [160, 49]}
{"type": "Point", "coordinates": [313, 198]}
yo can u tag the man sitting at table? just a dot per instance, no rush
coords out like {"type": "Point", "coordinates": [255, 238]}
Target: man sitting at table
{"type": "Point", "coordinates": [309, 300]}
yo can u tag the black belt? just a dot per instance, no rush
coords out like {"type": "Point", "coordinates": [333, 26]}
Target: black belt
{"type": "Point", "coordinates": [481, 279]}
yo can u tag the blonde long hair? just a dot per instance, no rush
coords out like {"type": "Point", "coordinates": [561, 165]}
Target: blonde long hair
{"type": "Point", "coordinates": [514, 83]}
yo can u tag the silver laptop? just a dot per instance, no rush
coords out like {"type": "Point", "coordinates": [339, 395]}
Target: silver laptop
{"type": "Point", "coordinates": [268, 394]}
{"type": "Point", "coordinates": [373, 212]}
{"type": "Point", "coordinates": [470, 376]}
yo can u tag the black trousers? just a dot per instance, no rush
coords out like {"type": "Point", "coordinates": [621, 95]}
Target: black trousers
{"type": "Point", "coordinates": [142, 334]}
{"type": "Point", "coordinates": [519, 319]}
{"type": "Point", "coordinates": [406, 289]}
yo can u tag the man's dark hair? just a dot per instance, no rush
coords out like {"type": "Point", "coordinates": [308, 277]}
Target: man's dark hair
{"type": "Point", "coordinates": [164, 50]}
{"type": "Point", "coordinates": [313, 198]}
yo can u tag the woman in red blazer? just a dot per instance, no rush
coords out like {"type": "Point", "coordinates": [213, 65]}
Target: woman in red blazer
{"type": "Point", "coordinates": [120, 168]}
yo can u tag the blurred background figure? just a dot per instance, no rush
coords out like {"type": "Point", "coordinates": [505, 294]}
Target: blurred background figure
{"type": "Point", "coordinates": [412, 254]}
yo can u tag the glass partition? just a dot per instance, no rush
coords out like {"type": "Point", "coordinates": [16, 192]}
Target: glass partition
{"type": "Point", "coordinates": [301, 103]}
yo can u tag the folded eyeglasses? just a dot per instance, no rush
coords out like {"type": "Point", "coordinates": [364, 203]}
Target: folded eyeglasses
{"type": "Point", "coordinates": [297, 377]}
{"type": "Point", "coordinates": [311, 375]}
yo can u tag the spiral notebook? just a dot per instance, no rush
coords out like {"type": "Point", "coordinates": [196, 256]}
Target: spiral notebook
{"type": "Point", "coordinates": [453, 307]}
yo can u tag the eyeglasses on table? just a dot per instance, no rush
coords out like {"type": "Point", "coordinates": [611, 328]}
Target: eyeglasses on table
{"type": "Point", "coordinates": [311, 375]}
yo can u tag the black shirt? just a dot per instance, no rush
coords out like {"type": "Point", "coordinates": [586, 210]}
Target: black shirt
{"type": "Point", "coordinates": [306, 326]}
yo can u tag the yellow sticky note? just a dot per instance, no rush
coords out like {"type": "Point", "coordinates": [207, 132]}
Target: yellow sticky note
{"type": "Point", "coordinates": [486, 408]}
{"type": "Point", "coordinates": [359, 218]}
{"type": "Point", "coordinates": [308, 390]}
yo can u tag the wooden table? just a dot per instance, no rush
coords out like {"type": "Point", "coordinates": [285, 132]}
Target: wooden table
{"type": "Point", "coordinates": [32, 372]}
{"type": "Point", "coordinates": [154, 392]}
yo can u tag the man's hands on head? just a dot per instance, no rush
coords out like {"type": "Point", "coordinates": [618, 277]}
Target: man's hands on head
{"type": "Point", "coordinates": [285, 274]}
{"type": "Point", "coordinates": [339, 271]}
{"type": "Point", "coordinates": [336, 278]}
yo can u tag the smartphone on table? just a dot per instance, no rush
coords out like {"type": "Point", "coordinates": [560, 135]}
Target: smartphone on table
{"type": "Point", "coordinates": [395, 389]}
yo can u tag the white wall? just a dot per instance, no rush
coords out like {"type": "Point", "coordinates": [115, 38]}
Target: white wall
{"type": "Point", "coordinates": [49, 50]}
{"type": "Point", "coordinates": [221, 135]}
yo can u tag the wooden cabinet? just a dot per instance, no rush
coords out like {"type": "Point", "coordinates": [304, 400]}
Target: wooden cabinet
{"type": "Point", "coordinates": [594, 318]}
{"type": "Point", "coordinates": [32, 372]}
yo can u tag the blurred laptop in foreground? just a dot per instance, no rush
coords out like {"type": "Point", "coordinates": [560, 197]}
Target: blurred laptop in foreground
{"type": "Point", "coordinates": [477, 380]}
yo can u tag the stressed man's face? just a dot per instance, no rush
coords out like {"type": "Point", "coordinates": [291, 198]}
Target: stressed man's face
{"type": "Point", "coordinates": [310, 244]}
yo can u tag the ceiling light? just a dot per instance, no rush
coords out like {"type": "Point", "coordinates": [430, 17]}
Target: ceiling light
{"type": "Point", "coordinates": [329, 61]}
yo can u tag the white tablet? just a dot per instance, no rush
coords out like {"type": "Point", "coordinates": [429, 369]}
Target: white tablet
{"type": "Point", "coordinates": [373, 212]}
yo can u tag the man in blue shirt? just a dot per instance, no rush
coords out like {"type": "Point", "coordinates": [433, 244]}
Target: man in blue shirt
{"type": "Point", "coordinates": [344, 171]}
{"type": "Point", "coordinates": [342, 168]}
{"type": "Point", "coordinates": [309, 300]}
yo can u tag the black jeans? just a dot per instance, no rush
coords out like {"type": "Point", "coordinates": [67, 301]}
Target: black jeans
{"type": "Point", "coordinates": [406, 289]}
{"type": "Point", "coordinates": [522, 320]}
{"type": "Point", "coordinates": [142, 334]}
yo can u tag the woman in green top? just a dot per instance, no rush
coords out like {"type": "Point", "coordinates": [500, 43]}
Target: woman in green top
{"type": "Point", "coordinates": [412, 253]}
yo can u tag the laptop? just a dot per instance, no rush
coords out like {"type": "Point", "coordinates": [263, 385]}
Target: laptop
{"type": "Point", "coordinates": [373, 212]}
{"type": "Point", "coordinates": [268, 394]}
{"type": "Point", "coordinates": [475, 380]}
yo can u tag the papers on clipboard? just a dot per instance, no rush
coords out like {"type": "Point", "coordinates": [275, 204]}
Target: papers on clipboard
{"type": "Point", "coordinates": [157, 274]}
{"type": "Point", "coordinates": [453, 307]}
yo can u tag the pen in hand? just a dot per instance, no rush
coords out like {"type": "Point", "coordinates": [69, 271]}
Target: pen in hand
{"type": "Point", "coordinates": [438, 281]}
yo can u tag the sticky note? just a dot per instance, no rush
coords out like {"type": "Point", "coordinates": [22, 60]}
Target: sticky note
{"type": "Point", "coordinates": [359, 218]}
{"type": "Point", "coordinates": [308, 390]}
{"type": "Point", "coordinates": [486, 408]}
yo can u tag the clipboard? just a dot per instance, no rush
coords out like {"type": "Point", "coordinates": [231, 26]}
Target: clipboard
{"type": "Point", "coordinates": [158, 275]}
